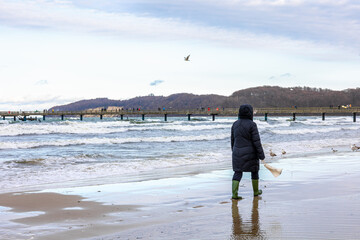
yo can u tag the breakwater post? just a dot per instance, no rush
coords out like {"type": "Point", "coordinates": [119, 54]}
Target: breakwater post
{"type": "Point", "coordinates": [121, 117]}
{"type": "Point", "coordinates": [143, 117]}
{"type": "Point", "coordinates": [213, 117]}
{"type": "Point", "coordinates": [81, 117]}
{"type": "Point", "coordinates": [3, 117]}
{"type": "Point", "coordinates": [294, 116]}
{"type": "Point", "coordinates": [266, 115]}
{"type": "Point", "coordinates": [165, 117]}
{"type": "Point", "coordinates": [62, 117]}
{"type": "Point", "coordinates": [101, 116]}
{"type": "Point", "coordinates": [14, 118]}
{"type": "Point", "coordinates": [354, 117]}
{"type": "Point", "coordinates": [189, 115]}
{"type": "Point", "coordinates": [323, 116]}
{"type": "Point", "coordinates": [43, 117]}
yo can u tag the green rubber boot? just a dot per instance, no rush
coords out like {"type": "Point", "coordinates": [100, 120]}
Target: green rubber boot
{"type": "Point", "coordinates": [255, 185]}
{"type": "Point", "coordinates": [235, 189]}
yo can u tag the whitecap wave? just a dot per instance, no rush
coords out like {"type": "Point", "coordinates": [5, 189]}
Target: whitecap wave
{"type": "Point", "coordinates": [98, 141]}
{"type": "Point", "coordinates": [109, 127]}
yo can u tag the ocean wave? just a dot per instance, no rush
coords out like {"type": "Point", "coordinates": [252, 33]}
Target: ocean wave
{"type": "Point", "coordinates": [272, 124]}
{"type": "Point", "coordinates": [329, 121]}
{"type": "Point", "coordinates": [182, 127]}
{"type": "Point", "coordinates": [312, 130]}
{"type": "Point", "coordinates": [31, 161]}
{"type": "Point", "coordinates": [4, 122]}
{"type": "Point", "coordinates": [304, 131]}
{"type": "Point", "coordinates": [68, 127]}
{"type": "Point", "coordinates": [97, 141]}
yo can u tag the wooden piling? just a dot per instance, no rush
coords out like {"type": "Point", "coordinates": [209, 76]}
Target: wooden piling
{"type": "Point", "coordinates": [189, 117]}
{"type": "Point", "coordinates": [81, 117]}
{"type": "Point", "coordinates": [62, 117]}
{"type": "Point", "coordinates": [143, 117]}
{"type": "Point", "coordinates": [122, 117]}
{"type": "Point", "coordinates": [294, 116]}
{"type": "Point", "coordinates": [323, 116]}
{"type": "Point", "coordinates": [44, 117]}
{"type": "Point", "coordinates": [165, 117]}
{"type": "Point", "coordinates": [354, 117]}
{"type": "Point", "coordinates": [266, 116]}
{"type": "Point", "coordinates": [101, 117]}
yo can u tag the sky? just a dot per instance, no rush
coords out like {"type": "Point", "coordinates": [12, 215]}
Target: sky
{"type": "Point", "coordinates": [55, 52]}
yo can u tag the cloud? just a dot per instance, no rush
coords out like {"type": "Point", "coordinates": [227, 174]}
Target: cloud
{"type": "Point", "coordinates": [293, 26]}
{"type": "Point", "coordinates": [285, 75]}
{"type": "Point", "coordinates": [156, 82]}
{"type": "Point", "coordinates": [42, 82]}
{"type": "Point", "coordinates": [281, 76]}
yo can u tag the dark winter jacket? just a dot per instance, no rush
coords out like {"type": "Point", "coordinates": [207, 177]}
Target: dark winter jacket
{"type": "Point", "coordinates": [245, 142]}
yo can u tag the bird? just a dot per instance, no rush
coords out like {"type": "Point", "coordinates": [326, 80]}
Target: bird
{"type": "Point", "coordinates": [283, 152]}
{"type": "Point", "coordinates": [272, 154]}
{"type": "Point", "coordinates": [334, 150]}
{"type": "Point", "coordinates": [187, 58]}
{"type": "Point", "coordinates": [354, 147]}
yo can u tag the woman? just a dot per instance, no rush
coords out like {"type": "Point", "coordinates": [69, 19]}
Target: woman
{"type": "Point", "coordinates": [246, 150]}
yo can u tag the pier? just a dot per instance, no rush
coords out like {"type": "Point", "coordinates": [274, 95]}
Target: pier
{"type": "Point", "coordinates": [266, 112]}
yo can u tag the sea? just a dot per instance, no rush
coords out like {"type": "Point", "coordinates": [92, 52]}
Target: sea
{"type": "Point", "coordinates": [38, 154]}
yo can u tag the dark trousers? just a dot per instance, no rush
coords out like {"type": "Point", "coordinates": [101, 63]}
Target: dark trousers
{"type": "Point", "coordinates": [238, 175]}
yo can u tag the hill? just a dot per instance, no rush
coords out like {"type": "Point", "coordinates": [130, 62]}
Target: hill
{"type": "Point", "coordinates": [268, 96]}
{"type": "Point", "coordinates": [264, 96]}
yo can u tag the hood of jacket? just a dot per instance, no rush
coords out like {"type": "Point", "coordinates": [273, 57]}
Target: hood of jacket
{"type": "Point", "coordinates": [246, 112]}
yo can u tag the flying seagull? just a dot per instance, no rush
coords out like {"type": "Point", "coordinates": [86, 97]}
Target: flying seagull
{"type": "Point", "coordinates": [187, 58]}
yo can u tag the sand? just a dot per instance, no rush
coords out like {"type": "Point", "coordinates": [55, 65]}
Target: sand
{"type": "Point", "coordinates": [320, 200]}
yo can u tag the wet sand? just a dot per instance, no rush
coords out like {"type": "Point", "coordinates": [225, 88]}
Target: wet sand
{"type": "Point", "coordinates": [320, 200]}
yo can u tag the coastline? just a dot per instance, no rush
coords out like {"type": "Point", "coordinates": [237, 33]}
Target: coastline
{"type": "Point", "coordinates": [305, 202]}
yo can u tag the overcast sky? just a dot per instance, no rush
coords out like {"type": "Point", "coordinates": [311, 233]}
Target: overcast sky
{"type": "Point", "coordinates": [59, 51]}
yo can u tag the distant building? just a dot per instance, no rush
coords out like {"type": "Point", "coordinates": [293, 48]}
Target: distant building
{"type": "Point", "coordinates": [107, 109]}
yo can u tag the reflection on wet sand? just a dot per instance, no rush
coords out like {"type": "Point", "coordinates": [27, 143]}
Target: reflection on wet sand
{"type": "Point", "coordinates": [246, 229]}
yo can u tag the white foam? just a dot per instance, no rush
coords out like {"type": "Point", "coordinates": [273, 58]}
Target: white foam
{"type": "Point", "coordinates": [98, 141]}
{"type": "Point", "coordinates": [305, 130]}
{"type": "Point", "coordinates": [106, 127]}
{"type": "Point", "coordinates": [183, 127]}
{"type": "Point", "coordinates": [66, 127]}
{"type": "Point", "coordinates": [4, 122]}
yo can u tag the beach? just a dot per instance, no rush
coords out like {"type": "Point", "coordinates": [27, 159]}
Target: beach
{"type": "Point", "coordinates": [155, 180]}
{"type": "Point", "coordinates": [303, 203]}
